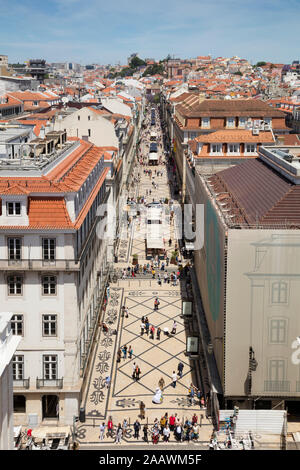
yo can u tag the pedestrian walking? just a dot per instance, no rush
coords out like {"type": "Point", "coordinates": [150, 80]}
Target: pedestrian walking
{"type": "Point", "coordinates": [174, 378]}
{"type": "Point", "coordinates": [136, 427]}
{"type": "Point", "coordinates": [137, 373]}
{"type": "Point", "coordinates": [158, 331]}
{"type": "Point", "coordinates": [172, 422]}
{"type": "Point", "coordinates": [130, 352]}
{"type": "Point", "coordinates": [156, 303]}
{"type": "Point", "coordinates": [119, 355]}
{"type": "Point", "coordinates": [142, 410]}
{"type": "Point", "coordinates": [119, 434]}
{"type": "Point", "coordinates": [173, 332]}
{"type": "Point", "coordinates": [166, 433]}
{"type": "Point", "coordinates": [163, 423]}
{"type": "Point", "coordinates": [124, 426]}
{"type": "Point", "coordinates": [191, 394]}
{"type": "Point", "coordinates": [178, 432]}
{"type": "Point", "coordinates": [147, 326]}
{"type": "Point", "coordinates": [180, 369]}
{"type": "Point", "coordinates": [102, 431]}
{"type": "Point", "coordinates": [134, 370]}
{"type": "Point", "coordinates": [145, 431]}
{"type": "Point", "coordinates": [161, 383]}
{"type": "Point", "coordinates": [142, 328]}
{"type": "Point", "coordinates": [110, 427]}
{"type": "Point", "coordinates": [152, 331]}
{"type": "Point", "coordinates": [124, 350]}
{"type": "Point", "coordinates": [107, 381]}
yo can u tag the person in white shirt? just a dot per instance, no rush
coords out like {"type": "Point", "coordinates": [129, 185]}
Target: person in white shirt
{"type": "Point", "coordinates": [166, 433]}
{"type": "Point", "coordinates": [174, 378]}
{"type": "Point", "coordinates": [102, 431]}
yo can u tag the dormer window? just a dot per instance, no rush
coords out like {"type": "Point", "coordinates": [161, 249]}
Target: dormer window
{"type": "Point", "coordinates": [205, 122]}
{"type": "Point", "coordinates": [230, 122]}
{"type": "Point", "coordinates": [13, 208]}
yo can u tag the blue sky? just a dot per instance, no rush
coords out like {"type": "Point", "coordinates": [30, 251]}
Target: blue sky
{"type": "Point", "coordinates": [103, 31]}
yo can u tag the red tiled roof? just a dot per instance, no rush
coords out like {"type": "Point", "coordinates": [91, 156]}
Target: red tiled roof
{"type": "Point", "coordinates": [237, 135]}
{"type": "Point", "coordinates": [261, 194]}
{"type": "Point", "coordinates": [48, 212]}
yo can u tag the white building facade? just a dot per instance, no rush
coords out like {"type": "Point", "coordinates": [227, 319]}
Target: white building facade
{"type": "Point", "coordinates": [8, 345]}
{"type": "Point", "coordinates": [53, 273]}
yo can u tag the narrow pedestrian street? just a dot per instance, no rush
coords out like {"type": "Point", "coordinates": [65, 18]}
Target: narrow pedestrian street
{"type": "Point", "coordinates": [156, 358]}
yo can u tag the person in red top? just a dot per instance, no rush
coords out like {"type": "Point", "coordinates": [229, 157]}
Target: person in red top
{"type": "Point", "coordinates": [152, 331]}
{"type": "Point", "coordinates": [172, 422]}
{"type": "Point", "coordinates": [29, 431]}
{"type": "Point", "coordinates": [110, 426]}
{"type": "Point", "coordinates": [194, 419]}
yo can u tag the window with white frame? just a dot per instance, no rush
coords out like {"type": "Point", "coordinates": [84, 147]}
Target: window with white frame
{"type": "Point", "coordinates": [13, 208]}
{"type": "Point", "coordinates": [242, 121]}
{"type": "Point", "coordinates": [193, 135]}
{"type": "Point", "coordinates": [50, 367]}
{"type": "Point", "coordinates": [205, 122]}
{"type": "Point", "coordinates": [233, 148]}
{"type": "Point", "coordinates": [215, 148]}
{"type": "Point", "coordinates": [268, 121]}
{"type": "Point", "coordinates": [17, 324]}
{"type": "Point", "coordinates": [250, 148]}
{"type": "Point", "coordinates": [18, 367]}
{"type": "Point", "coordinates": [278, 330]}
{"type": "Point", "coordinates": [276, 369]}
{"type": "Point", "coordinates": [50, 325]}
{"type": "Point", "coordinates": [14, 284]}
{"type": "Point", "coordinates": [48, 249]}
{"type": "Point", "coordinates": [230, 122]}
{"type": "Point", "coordinates": [49, 285]}
{"type": "Point", "coordinates": [279, 292]}
{"type": "Point", "coordinates": [14, 248]}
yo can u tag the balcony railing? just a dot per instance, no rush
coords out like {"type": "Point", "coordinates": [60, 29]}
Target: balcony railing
{"type": "Point", "coordinates": [277, 386]}
{"type": "Point", "coordinates": [50, 383]}
{"type": "Point", "coordinates": [36, 264]}
{"type": "Point", "coordinates": [21, 383]}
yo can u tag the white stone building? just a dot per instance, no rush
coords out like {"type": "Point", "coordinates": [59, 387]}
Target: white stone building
{"type": "Point", "coordinates": [52, 271]}
{"type": "Point", "coordinates": [8, 346]}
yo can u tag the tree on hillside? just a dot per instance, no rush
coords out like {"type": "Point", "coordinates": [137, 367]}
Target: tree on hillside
{"type": "Point", "coordinates": [261, 64]}
{"type": "Point", "coordinates": [136, 62]}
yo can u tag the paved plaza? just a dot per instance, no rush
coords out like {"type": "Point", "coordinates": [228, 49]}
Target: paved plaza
{"type": "Point", "coordinates": [156, 358]}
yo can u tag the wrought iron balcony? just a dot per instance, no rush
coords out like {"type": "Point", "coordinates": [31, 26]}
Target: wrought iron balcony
{"type": "Point", "coordinates": [49, 383]}
{"type": "Point", "coordinates": [277, 385]}
{"type": "Point", "coordinates": [21, 383]}
{"type": "Point", "coordinates": [36, 264]}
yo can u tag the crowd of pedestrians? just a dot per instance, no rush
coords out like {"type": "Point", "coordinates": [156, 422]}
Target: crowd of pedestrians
{"type": "Point", "coordinates": [182, 429]}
